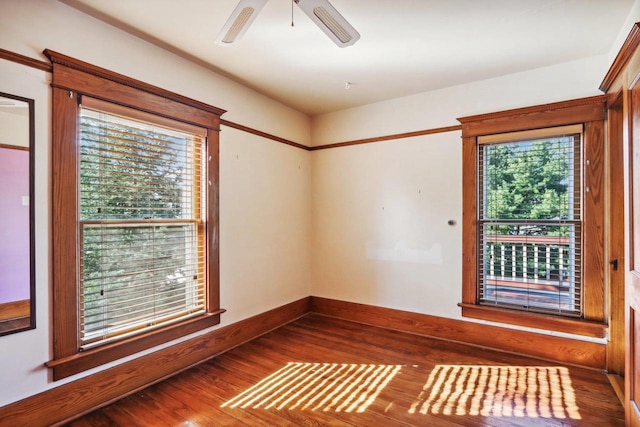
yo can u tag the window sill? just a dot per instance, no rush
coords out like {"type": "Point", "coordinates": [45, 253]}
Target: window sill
{"type": "Point", "coordinates": [535, 320]}
{"type": "Point", "coordinates": [85, 360]}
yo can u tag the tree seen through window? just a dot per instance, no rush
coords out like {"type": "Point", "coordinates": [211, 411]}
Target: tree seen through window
{"type": "Point", "coordinates": [140, 216]}
{"type": "Point", "coordinates": [529, 222]}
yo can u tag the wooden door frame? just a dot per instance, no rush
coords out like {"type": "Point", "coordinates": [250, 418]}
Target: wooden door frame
{"type": "Point", "coordinates": [632, 297]}
{"type": "Point", "coordinates": [615, 243]}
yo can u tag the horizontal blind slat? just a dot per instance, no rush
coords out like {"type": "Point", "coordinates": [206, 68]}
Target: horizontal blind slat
{"type": "Point", "coordinates": [138, 310]}
{"type": "Point", "coordinates": [135, 272]}
{"type": "Point", "coordinates": [529, 224]}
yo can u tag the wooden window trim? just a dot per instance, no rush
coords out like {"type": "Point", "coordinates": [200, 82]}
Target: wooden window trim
{"type": "Point", "coordinates": [534, 320]}
{"type": "Point", "coordinates": [73, 78]}
{"type": "Point", "coordinates": [591, 113]}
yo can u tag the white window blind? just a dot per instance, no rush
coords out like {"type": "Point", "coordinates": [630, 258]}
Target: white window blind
{"type": "Point", "coordinates": [142, 227]}
{"type": "Point", "coordinates": [529, 224]}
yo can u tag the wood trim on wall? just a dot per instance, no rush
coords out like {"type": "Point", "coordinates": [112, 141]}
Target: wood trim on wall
{"type": "Point", "coordinates": [622, 58]}
{"type": "Point", "coordinates": [388, 137]}
{"type": "Point", "coordinates": [81, 361]}
{"type": "Point", "coordinates": [103, 74]}
{"type": "Point", "coordinates": [535, 320]}
{"type": "Point", "coordinates": [341, 144]}
{"type": "Point", "coordinates": [118, 78]}
{"type": "Point", "coordinates": [469, 208]}
{"type": "Point", "coordinates": [71, 400]}
{"type": "Point", "coordinates": [15, 147]}
{"type": "Point", "coordinates": [262, 134]}
{"type": "Point", "coordinates": [591, 114]}
{"type": "Point", "coordinates": [63, 220]}
{"type": "Point", "coordinates": [540, 116]}
{"type": "Point", "coordinates": [615, 235]}
{"type": "Point", "coordinates": [593, 243]}
{"type": "Point", "coordinates": [45, 66]}
{"type": "Point", "coordinates": [546, 347]}
{"type": "Point", "coordinates": [72, 79]}
{"type": "Point", "coordinates": [213, 220]}
{"type": "Point", "coordinates": [25, 60]}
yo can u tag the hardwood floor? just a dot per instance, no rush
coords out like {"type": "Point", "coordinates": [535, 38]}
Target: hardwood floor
{"type": "Point", "coordinates": [13, 324]}
{"type": "Point", "coordinates": [323, 371]}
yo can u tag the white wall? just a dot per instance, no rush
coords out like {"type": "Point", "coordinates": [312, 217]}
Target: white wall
{"type": "Point", "coordinates": [28, 27]}
{"type": "Point", "coordinates": [14, 126]}
{"type": "Point", "coordinates": [442, 107]}
{"type": "Point", "coordinates": [632, 18]}
{"type": "Point", "coordinates": [22, 355]}
{"type": "Point", "coordinates": [265, 223]}
{"type": "Point", "coordinates": [264, 198]}
{"type": "Point", "coordinates": [380, 233]}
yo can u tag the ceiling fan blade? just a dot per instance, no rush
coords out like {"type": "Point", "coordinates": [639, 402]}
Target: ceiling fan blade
{"type": "Point", "coordinates": [240, 19]}
{"type": "Point", "coordinates": [329, 20]}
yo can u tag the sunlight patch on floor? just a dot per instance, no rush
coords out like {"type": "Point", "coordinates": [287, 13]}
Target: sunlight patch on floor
{"type": "Point", "coordinates": [498, 391]}
{"type": "Point", "coordinates": [346, 387]}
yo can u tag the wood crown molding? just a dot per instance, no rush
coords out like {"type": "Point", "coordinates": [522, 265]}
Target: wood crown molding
{"type": "Point", "coordinates": [60, 59]}
{"type": "Point", "coordinates": [25, 60]}
{"type": "Point", "coordinates": [76, 398]}
{"type": "Point", "coordinates": [622, 58]}
{"type": "Point", "coordinates": [557, 349]}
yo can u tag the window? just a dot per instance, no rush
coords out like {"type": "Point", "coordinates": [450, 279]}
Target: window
{"type": "Point", "coordinates": [533, 215]}
{"type": "Point", "coordinates": [135, 216]}
{"type": "Point", "coordinates": [529, 222]}
{"type": "Point", "coordinates": [141, 227]}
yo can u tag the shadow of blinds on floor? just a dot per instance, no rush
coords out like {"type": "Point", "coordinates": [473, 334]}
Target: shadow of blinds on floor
{"type": "Point", "coordinates": [498, 391]}
{"type": "Point", "coordinates": [339, 387]}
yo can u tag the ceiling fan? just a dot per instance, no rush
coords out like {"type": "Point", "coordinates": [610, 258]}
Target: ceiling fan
{"type": "Point", "coordinates": [321, 12]}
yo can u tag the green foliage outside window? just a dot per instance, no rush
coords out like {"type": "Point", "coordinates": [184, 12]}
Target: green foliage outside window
{"type": "Point", "coordinates": [528, 214]}
{"type": "Point", "coordinates": [135, 268]}
{"type": "Point", "coordinates": [529, 181]}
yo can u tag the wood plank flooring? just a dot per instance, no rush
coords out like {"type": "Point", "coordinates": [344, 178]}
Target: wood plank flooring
{"type": "Point", "coordinates": [321, 371]}
{"type": "Point", "coordinates": [14, 324]}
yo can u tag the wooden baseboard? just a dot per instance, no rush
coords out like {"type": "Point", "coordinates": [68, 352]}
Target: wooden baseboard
{"type": "Point", "coordinates": [550, 348]}
{"type": "Point", "coordinates": [617, 382]}
{"type": "Point", "coordinates": [15, 309]}
{"type": "Point", "coordinates": [68, 401]}
{"type": "Point", "coordinates": [71, 400]}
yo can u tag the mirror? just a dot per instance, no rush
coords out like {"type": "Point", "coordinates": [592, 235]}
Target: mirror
{"type": "Point", "coordinates": [17, 266]}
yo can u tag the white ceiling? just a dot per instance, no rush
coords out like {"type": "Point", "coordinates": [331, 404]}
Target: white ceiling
{"type": "Point", "coordinates": [406, 46]}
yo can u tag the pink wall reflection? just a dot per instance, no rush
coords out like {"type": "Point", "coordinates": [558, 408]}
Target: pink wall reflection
{"type": "Point", "coordinates": [14, 225]}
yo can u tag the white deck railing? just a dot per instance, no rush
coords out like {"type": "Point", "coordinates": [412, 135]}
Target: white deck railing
{"type": "Point", "coordinates": [528, 258]}
{"type": "Point", "coordinates": [532, 270]}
